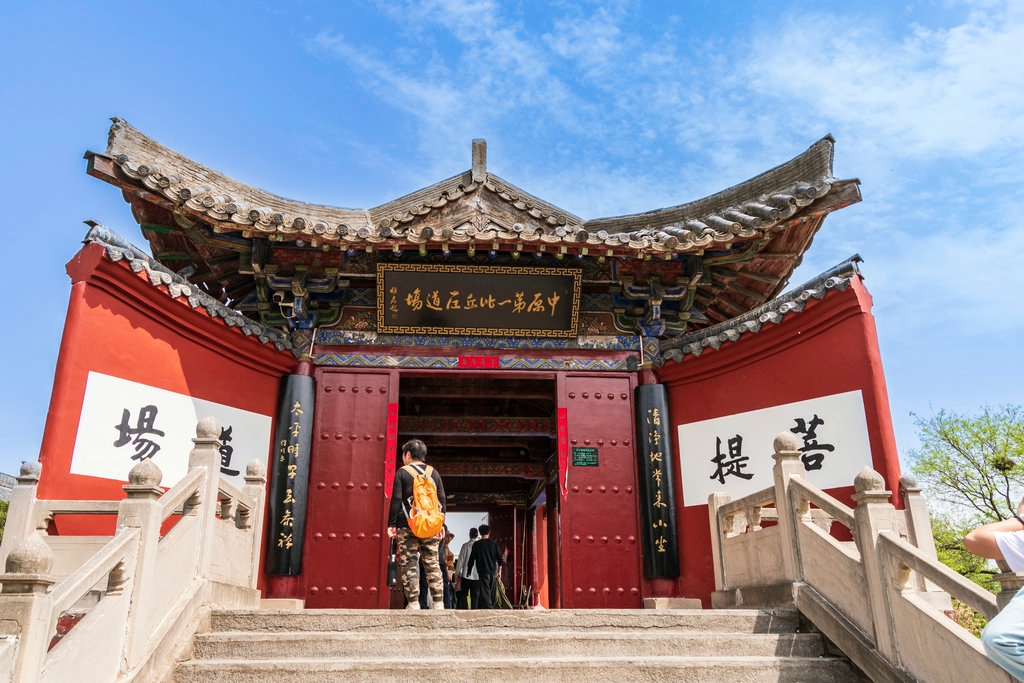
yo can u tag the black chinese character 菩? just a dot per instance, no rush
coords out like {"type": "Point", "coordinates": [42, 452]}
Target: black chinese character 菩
{"type": "Point", "coordinates": [812, 452]}
{"type": "Point", "coordinates": [145, 425]}
{"type": "Point", "coordinates": [732, 462]}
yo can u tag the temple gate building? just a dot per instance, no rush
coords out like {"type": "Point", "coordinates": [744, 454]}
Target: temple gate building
{"type": "Point", "coordinates": [587, 383]}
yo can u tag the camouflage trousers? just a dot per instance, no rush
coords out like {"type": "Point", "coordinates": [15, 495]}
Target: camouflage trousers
{"type": "Point", "coordinates": [410, 550]}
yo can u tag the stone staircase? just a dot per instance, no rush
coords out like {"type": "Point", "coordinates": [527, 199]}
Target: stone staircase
{"type": "Point", "coordinates": [529, 645]}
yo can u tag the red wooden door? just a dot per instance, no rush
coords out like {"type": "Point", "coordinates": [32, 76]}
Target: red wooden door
{"type": "Point", "coordinates": [344, 557]}
{"type": "Point", "coordinates": [601, 563]}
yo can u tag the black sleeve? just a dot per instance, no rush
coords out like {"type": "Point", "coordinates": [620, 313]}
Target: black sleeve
{"type": "Point", "coordinates": [396, 516]}
{"type": "Point", "coordinates": [472, 557]}
{"type": "Point", "coordinates": [441, 498]}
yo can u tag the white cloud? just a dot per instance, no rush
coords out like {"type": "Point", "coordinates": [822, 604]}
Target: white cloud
{"type": "Point", "coordinates": [922, 116]}
{"type": "Point", "coordinates": [963, 278]}
{"type": "Point", "coordinates": [935, 92]}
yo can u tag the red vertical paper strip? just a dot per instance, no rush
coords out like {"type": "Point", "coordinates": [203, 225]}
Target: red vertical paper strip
{"type": "Point", "coordinates": [563, 451]}
{"type": "Point", "coordinates": [390, 449]}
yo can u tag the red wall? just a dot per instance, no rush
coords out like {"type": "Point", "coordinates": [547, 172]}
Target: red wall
{"type": "Point", "coordinates": [119, 324]}
{"type": "Point", "coordinates": [828, 348]}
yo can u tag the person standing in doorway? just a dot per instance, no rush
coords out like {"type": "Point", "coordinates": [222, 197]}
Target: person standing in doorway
{"type": "Point", "coordinates": [485, 557]}
{"type": "Point", "coordinates": [412, 549]}
{"type": "Point", "coordinates": [468, 580]}
{"type": "Point", "coordinates": [448, 569]}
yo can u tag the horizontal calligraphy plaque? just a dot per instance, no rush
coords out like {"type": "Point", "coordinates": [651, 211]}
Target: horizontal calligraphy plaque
{"type": "Point", "coordinates": [482, 300]}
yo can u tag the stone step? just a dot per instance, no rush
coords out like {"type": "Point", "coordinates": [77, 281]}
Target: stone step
{"type": "Point", "coordinates": [503, 645]}
{"type": "Point", "coordinates": [724, 669]}
{"type": "Point", "coordinates": [776, 620]}
{"type": "Point", "coordinates": [748, 645]}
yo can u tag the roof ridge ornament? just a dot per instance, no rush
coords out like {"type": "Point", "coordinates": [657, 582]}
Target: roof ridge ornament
{"type": "Point", "coordinates": [479, 160]}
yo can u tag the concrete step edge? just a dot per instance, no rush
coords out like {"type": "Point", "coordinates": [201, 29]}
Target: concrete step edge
{"type": "Point", "coordinates": [506, 635]}
{"type": "Point", "coordinates": [753, 623]}
{"type": "Point", "coordinates": [782, 612]}
{"type": "Point", "coordinates": [503, 663]}
{"type": "Point", "coordinates": [498, 645]}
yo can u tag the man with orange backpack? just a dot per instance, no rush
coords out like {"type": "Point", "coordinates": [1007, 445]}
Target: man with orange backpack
{"type": "Point", "coordinates": [416, 519]}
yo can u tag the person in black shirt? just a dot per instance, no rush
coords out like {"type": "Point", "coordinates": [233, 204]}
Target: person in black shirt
{"type": "Point", "coordinates": [410, 548]}
{"type": "Point", "coordinates": [486, 557]}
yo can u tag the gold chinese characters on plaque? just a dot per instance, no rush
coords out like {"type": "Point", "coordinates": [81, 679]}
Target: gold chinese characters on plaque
{"type": "Point", "coordinates": [481, 300]}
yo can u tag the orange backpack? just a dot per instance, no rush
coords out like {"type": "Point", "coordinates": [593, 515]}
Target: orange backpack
{"type": "Point", "coordinates": [425, 517]}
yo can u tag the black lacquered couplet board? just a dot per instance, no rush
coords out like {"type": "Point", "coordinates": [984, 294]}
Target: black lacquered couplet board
{"type": "Point", "coordinates": [461, 299]}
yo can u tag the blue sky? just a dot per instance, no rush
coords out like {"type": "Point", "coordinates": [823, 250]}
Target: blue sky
{"type": "Point", "coordinates": [602, 108]}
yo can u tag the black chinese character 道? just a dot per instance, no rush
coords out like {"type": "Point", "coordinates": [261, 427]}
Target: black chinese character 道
{"type": "Point", "coordinates": [226, 450]}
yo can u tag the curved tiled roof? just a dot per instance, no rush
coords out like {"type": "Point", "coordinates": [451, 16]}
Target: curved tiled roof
{"type": "Point", "coordinates": [724, 254]}
{"type": "Point", "coordinates": [758, 206]}
{"type": "Point", "coordinates": [773, 312]}
{"type": "Point", "coordinates": [119, 249]}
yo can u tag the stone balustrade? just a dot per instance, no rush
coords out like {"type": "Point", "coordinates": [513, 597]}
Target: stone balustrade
{"type": "Point", "coordinates": [135, 598]}
{"type": "Point", "coordinates": [881, 596]}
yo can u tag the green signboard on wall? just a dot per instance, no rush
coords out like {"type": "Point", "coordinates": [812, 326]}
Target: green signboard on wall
{"type": "Point", "coordinates": [584, 456]}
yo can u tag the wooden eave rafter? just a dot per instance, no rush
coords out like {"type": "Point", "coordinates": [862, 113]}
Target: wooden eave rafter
{"type": "Point", "coordinates": [755, 207]}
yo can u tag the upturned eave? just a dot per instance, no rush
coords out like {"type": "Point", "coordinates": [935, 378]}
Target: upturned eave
{"type": "Point", "coordinates": [745, 213]}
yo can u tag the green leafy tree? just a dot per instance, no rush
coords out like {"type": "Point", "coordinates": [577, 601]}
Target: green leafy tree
{"type": "Point", "coordinates": [949, 547]}
{"type": "Point", "coordinates": [972, 468]}
{"type": "Point", "coordinates": [972, 464]}
{"type": "Point", "coordinates": [3, 517]}
{"type": "Point", "coordinates": [951, 552]}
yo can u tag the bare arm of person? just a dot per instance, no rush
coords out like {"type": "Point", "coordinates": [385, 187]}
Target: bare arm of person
{"type": "Point", "coordinates": [982, 541]}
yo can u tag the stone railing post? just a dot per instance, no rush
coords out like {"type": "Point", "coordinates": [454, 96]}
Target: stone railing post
{"type": "Point", "coordinates": [26, 606]}
{"type": "Point", "coordinates": [21, 510]}
{"type": "Point", "coordinates": [206, 453]}
{"type": "Point", "coordinates": [919, 531]}
{"type": "Point", "coordinates": [788, 465]}
{"type": "Point", "coordinates": [1009, 584]}
{"type": "Point", "coordinates": [919, 523]}
{"type": "Point", "coordinates": [874, 513]}
{"type": "Point", "coordinates": [256, 490]}
{"type": "Point", "coordinates": [141, 510]}
{"type": "Point", "coordinates": [715, 501]}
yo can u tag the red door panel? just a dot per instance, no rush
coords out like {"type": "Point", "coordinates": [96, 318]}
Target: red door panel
{"type": "Point", "coordinates": [504, 522]}
{"type": "Point", "coordinates": [601, 564]}
{"type": "Point", "coordinates": [344, 557]}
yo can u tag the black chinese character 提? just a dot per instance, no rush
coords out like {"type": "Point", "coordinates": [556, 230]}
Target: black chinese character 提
{"type": "Point", "coordinates": [145, 425]}
{"type": "Point", "coordinates": [812, 452]}
{"type": "Point", "coordinates": [731, 463]}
